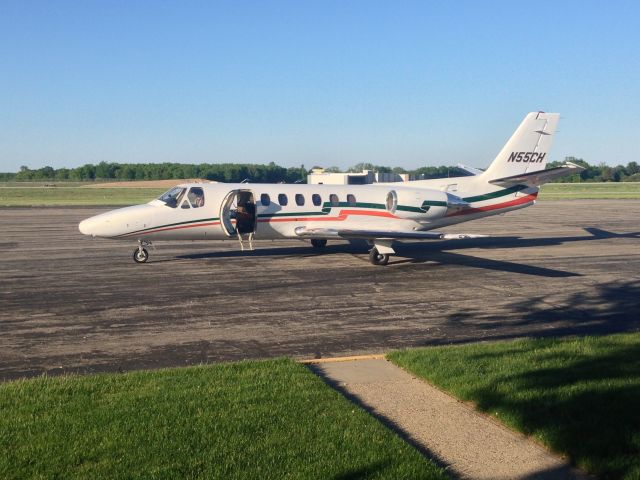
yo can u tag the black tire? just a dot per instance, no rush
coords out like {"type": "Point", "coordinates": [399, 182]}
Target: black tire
{"type": "Point", "coordinates": [319, 242]}
{"type": "Point", "coordinates": [140, 256]}
{"type": "Point", "coordinates": [378, 258]}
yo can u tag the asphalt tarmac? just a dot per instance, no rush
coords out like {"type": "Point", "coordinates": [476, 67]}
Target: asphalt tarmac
{"type": "Point", "coordinates": [69, 303]}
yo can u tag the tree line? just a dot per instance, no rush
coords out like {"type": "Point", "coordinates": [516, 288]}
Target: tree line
{"type": "Point", "coordinates": [220, 172]}
{"type": "Point", "coordinates": [591, 173]}
{"type": "Point", "coordinates": [599, 173]}
{"type": "Point", "coordinates": [272, 173]}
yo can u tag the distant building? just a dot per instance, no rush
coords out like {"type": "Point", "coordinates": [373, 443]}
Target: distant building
{"type": "Point", "coordinates": [318, 177]}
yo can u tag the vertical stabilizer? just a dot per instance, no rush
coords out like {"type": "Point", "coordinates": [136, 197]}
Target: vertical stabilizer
{"type": "Point", "coordinates": [528, 148]}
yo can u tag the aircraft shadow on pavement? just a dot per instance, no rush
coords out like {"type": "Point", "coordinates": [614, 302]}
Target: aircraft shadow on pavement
{"type": "Point", "coordinates": [607, 308]}
{"type": "Point", "coordinates": [519, 242]}
{"type": "Point", "coordinates": [304, 250]}
{"type": "Point", "coordinates": [448, 258]}
{"type": "Point", "coordinates": [437, 251]}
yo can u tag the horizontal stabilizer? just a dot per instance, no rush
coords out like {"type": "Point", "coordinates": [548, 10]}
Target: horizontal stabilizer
{"type": "Point", "coordinates": [380, 234]}
{"type": "Point", "coordinates": [540, 177]}
{"type": "Point", "coordinates": [471, 170]}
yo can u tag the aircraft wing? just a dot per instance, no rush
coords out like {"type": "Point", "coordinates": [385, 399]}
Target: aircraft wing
{"type": "Point", "coordinates": [534, 179]}
{"type": "Point", "coordinates": [380, 234]}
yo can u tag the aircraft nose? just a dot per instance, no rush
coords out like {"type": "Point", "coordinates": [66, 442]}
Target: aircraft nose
{"type": "Point", "coordinates": [86, 226]}
{"type": "Point", "coordinates": [117, 222]}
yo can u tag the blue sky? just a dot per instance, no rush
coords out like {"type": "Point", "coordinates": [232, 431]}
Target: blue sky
{"type": "Point", "coordinates": [313, 82]}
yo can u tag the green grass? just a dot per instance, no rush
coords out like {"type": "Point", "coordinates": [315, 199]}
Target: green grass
{"type": "Point", "coordinates": [68, 183]}
{"type": "Point", "coordinates": [75, 195]}
{"type": "Point", "coordinates": [604, 190]}
{"type": "Point", "coordinates": [580, 397]}
{"type": "Point", "coordinates": [271, 419]}
{"type": "Point", "coordinates": [14, 194]}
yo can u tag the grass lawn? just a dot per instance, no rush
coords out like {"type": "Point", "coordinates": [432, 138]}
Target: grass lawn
{"type": "Point", "coordinates": [271, 419]}
{"type": "Point", "coordinates": [604, 190]}
{"type": "Point", "coordinates": [580, 397]}
{"type": "Point", "coordinates": [75, 195]}
{"type": "Point", "coordinates": [14, 194]}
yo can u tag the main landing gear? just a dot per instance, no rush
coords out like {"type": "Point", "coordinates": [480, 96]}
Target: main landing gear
{"type": "Point", "coordinates": [378, 258]}
{"type": "Point", "coordinates": [140, 254]}
{"type": "Point", "coordinates": [319, 242]}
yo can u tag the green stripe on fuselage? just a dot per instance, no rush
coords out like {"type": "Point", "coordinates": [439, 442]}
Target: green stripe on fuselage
{"type": "Point", "coordinates": [172, 225]}
{"type": "Point", "coordinates": [405, 208]}
{"type": "Point", "coordinates": [378, 206]}
{"type": "Point", "coordinates": [294, 214]}
{"type": "Point", "coordinates": [499, 193]}
{"type": "Point", "coordinates": [433, 203]}
{"type": "Point", "coordinates": [327, 206]}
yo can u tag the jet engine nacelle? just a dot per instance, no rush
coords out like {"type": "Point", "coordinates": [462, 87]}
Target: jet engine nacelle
{"type": "Point", "coordinates": [419, 204]}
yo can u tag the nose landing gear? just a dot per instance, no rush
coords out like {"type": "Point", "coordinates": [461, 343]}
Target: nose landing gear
{"type": "Point", "coordinates": [140, 254]}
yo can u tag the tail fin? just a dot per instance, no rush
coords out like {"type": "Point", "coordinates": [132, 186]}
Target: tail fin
{"type": "Point", "coordinates": [527, 149]}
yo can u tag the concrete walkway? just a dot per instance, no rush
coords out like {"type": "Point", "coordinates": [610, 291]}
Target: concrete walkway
{"type": "Point", "coordinates": [468, 444]}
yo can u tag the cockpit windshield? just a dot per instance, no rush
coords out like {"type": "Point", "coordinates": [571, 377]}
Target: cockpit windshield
{"type": "Point", "coordinates": [172, 197]}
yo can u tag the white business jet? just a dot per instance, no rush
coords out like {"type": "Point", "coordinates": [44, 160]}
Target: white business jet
{"type": "Point", "coordinates": [379, 213]}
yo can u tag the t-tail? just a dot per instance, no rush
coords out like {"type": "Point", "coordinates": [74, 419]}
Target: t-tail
{"type": "Point", "coordinates": [523, 159]}
{"type": "Point", "coordinates": [528, 148]}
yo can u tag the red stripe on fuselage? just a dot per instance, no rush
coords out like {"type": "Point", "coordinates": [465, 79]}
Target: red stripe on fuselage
{"type": "Point", "coordinates": [342, 216]}
{"type": "Point", "coordinates": [496, 206]}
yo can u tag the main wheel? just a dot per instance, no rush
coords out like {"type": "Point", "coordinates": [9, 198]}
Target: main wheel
{"type": "Point", "coordinates": [319, 242]}
{"type": "Point", "coordinates": [378, 258]}
{"type": "Point", "coordinates": [140, 256]}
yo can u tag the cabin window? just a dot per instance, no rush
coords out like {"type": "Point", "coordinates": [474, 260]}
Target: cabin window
{"type": "Point", "coordinates": [283, 200]}
{"type": "Point", "coordinates": [316, 199]}
{"type": "Point", "coordinates": [392, 201]}
{"type": "Point", "coordinates": [172, 197]}
{"type": "Point", "coordinates": [335, 201]}
{"type": "Point", "coordinates": [265, 199]}
{"type": "Point", "coordinates": [196, 197]}
{"type": "Point", "coordinates": [299, 199]}
{"type": "Point", "coordinates": [185, 203]}
{"type": "Point", "coordinates": [351, 200]}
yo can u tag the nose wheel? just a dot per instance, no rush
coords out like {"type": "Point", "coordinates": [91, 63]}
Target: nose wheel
{"type": "Point", "coordinates": [378, 258]}
{"type": "Point", "coordinates": [140, 254]}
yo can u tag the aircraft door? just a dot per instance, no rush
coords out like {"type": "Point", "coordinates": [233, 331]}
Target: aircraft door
{"type": "Point", "coordinates": [238, 213]}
